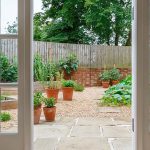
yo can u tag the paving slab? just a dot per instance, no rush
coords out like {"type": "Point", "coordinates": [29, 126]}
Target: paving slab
{"type": "Point", "coordinates": [86, 131]}
{"type": "Point", "coordinates": [76, 143]}
{"type": "Point", "coordinates": [95, 121]}
{"type": "Point", "coordinates": [109, 110]}
{"type": "Point", "coordinates": [45, 144]}
{"type": "Point", "coordinates": [68, 121]}
{"type": "Point", "coordinates": [116, 132]}
{"type": "Point", "coordinates": [46, 131]}
{"type": "Point", "coordinates": [121, 122]}
{"type": "Point", "coordinates": [122, 144]}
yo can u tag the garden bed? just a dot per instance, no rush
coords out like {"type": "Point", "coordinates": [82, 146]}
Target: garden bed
{"type": "Point", "coordinates": [9, 103]}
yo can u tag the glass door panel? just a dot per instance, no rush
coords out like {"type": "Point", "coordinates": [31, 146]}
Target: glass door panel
{"type": "Point", "coordinates": [8, 86]}
{"type": "Point", "coordinates": [15, 75]}
{"type": "Point", "coordinates": [9, 16]}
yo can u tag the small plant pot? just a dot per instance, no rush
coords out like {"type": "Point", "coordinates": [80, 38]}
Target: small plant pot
{"type": "Point", "coordinates": [67, 93]}
{"type": "Point", "coordinates": [37, 114]}
{"type": "Point", "coordinates": [52, 93]}
{"type": "Point", "coordinates": [49, 113]}
{"type": "Point", "coordinates": [105, 84]}
{"type": "Point", "coordinates": [68, 76]}
{"type": "Point", "coordinates": [114, 82]}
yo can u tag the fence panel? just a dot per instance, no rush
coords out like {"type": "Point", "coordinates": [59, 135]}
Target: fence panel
{"type": "Point", "coordinates": [91, 56]}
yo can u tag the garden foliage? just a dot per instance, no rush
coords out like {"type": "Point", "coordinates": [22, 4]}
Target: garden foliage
{"type": "Point", "coordinates": [5, 116]}
{"type": "Point", "coordinates": [78, 87]}
{"type": "Point", "coordinates": [8, 71]}
{"type": "Point", "coordinates": [49, 102]}
{"type": "Point", "coordinates": [119, 94]}
{"type": "Point", "coordinates": [84, 21]}
{"type": "Point", "coordinates": [38, 97]}
{"type": "Point", "coordinates": [69, 64]}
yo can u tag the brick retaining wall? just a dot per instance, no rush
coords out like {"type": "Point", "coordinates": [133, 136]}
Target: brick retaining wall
{"type": "Point", "coordinates": [90, 76]}
{"type": "Point", "coordinates": [87, 77]}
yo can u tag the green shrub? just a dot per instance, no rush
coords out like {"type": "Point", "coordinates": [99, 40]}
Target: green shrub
{"type": "Point", "coordinates": [38, 67]}
{"type": "Point", "coordinates": [69, 64]}
{"type": "Point", "coordinates": [2, 97]}
{"type": "Point", "coordinates": [68, 83]}
{"type": "Point", "coordinates": [115, 74]}
{"type": "Point", "coordinates": [5, 116]}
{"type": "Point", "coordinates": [78, 87]}
{"type": "Point", "coordinates": [49, 102]}
{"type": "Point", "coordinates": [105, 76]}
{"type": "Point", "coordinates": [38, 97]}
{"type": "Point", "coordinates": [8, 71]}
{"type": "Point", "coordinates": [119, 94]}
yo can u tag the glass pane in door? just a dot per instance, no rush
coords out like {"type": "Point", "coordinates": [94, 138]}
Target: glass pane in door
{"type": "Point", "coordinates": [8, 85]}
{"type": "Point", "coordinates": [9, 16]}
{"type": "Point", "coordinates": [8, 66]}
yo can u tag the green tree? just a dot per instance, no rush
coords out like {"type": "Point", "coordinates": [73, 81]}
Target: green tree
{"type": "Point", "coordinates": [63, 22]}
{"type": "Point", "coordinates": [38, 26]}
{"type": "Point", "coordinates": [111, 20]}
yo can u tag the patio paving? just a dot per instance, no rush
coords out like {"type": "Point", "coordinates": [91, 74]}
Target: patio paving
{"type": "Point", "coordinates": [83, 134]}
{"type": "Point", "coordinates": [82, 124]}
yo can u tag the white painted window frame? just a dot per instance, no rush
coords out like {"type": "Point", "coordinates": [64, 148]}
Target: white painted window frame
{"type": "Point", "coordinates": [140, 61]}
{"type": "Point", "coordinates": [23, 140]}
{"type": "Point", "coordinates": [141, 68]}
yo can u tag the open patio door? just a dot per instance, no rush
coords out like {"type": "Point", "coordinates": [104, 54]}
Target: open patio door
{"type": "Point", "coordinates": [141, 74]}
{"type": "Point", "coordinates": [19, 137]}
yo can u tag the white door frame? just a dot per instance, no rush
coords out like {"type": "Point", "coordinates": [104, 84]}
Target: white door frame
{"type": "Point", "coordinates": [23, 139]}
{"type": "Point", "coordinates": [141, 77]}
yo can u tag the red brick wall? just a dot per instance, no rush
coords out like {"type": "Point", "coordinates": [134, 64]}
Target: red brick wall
{"type": "Point", "coordinates": [90, 77]}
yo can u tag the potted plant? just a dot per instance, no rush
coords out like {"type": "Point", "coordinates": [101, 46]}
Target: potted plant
{"type": "Point", "coordinates": [53, 87]}
{"type": "Point", "coordinates": [51, 80]}
{"type": "Point", "coordinates": [115, 76]}
{"type": "Point", "coordinates": [49, 109]}
{"type": "Point", "coordinates": [67, 88]}
{"type": "Point", "coordinates": [105, 78]}
{"type": "Point", "coordinates": [69, 65]}
{"type": "Point", "coordinates": [37, 107]}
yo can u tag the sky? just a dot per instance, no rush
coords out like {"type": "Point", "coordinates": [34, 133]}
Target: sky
{"type": "Point", "coordinates": [9, 11]}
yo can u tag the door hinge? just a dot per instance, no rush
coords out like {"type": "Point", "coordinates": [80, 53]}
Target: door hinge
{"type": "Point", "coordinates": [132, 124]}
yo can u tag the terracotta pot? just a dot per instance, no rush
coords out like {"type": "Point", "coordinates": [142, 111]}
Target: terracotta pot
{"type": "Point", "coordinates": [68, 76]}
{"type": "Point", "coordinates": [49, 113]}
{"type": "Point", "coordinates": [67, 93]}
{"type": "Point", "coordinates": [37, 114]}
{"type": "Point", "coordinates": [114, 82]}
{"type": "Point", "coordinates": [105, 84]}
{"type": "Point", "coordinates": [52, 93]}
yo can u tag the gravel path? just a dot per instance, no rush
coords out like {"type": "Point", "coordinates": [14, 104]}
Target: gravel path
{"type": "Point", "coordinates": [84, 104]}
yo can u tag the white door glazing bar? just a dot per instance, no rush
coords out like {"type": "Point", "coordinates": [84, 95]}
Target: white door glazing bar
{"type": "Point", "coordinates": [8, 36]}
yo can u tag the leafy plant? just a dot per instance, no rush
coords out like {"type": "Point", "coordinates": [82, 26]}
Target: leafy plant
{"type": "Point", "coordinates": [49, 102]}
{"type": "Point", "coordinates": [105, 76]}
{"type": "Point", "coordinates": [115, 74]}
{"type": "Point", "coordinates": [2, 97]}
{"type": "Point", "coordinates": [8, 71]}
{"type": "Point", "coordinates": [78, 87]}
{"type": "Point", "coordinates": [38, 67]}
{"type": "Point", "coordinates": [38, 97]}
{"type": "Point", "coordinates": [50, 71]}
{"type": "Point", "coordinates": [119, 94]}
{"type": "Point", "coordinates": [5, 116]}
{"type": "Point", "coordinates": [69, 64]}
{"type": "Point", "coordinates": [54, 83]}
{"type": "Point", "coordinates": [68, 83]}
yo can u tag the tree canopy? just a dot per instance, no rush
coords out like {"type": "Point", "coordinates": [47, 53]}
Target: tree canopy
{"type": "Point", "coordinates": [84, 21]}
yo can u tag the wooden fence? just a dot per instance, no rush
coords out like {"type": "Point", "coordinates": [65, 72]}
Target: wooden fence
{"type": "Point", "coordinates": [91, 56]}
